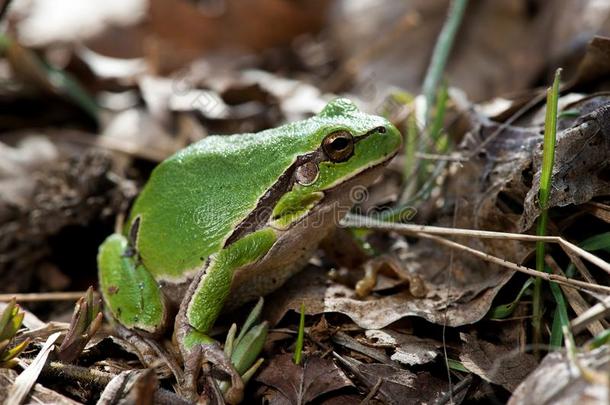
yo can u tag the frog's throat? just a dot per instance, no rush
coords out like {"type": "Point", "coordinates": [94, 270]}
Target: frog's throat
{"type": "Point", "coordinates": [261, 214]}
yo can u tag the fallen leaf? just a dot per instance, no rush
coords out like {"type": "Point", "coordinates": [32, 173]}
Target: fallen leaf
{"type": "Point", "coordinates": [496, 363]}
{"type": "Point", "coordinates": [580, 171]}
{"type": "Point", "coordinates": [395, 385]}
{"type": "Point", "coordinates": [133, 387]}
{"type": "Point", "coordinates": [303, 383]}
{"type": "Point", "coordinates": [408, 349]}
{"type": "Point", "coordinates": [558, 381]}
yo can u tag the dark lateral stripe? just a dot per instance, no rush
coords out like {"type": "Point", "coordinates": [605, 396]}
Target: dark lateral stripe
{"type": "Point", "coordinates": [261, 214]}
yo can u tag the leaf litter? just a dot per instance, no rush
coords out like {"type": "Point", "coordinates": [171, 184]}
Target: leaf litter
{"type": "Point", "coordinates": [65, 175]}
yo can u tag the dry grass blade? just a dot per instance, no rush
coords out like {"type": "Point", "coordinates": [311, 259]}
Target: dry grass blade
{"type": "Point", "coordinates": [596, 312]}
{"type": "Point", "coordinates": [37, 297]}
{"type": "Point", "coordinates": [576, 301]}
{"type": "Point", "coordinates": [358, 221]}
{"type": "Point", "coordinates": [580, 285]}
{"type": "Point", "coordinates": [26, 380]}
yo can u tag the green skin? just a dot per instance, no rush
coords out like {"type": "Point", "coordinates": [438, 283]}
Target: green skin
{"type": "Point", "coordinates": [230, 218]}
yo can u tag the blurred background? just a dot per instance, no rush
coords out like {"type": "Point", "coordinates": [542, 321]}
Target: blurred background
{"type": "Point", "coordinates": [93, 94]}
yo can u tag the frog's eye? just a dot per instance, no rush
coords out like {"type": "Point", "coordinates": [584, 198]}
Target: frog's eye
{"type": "Point", "coordinates": [338, 145]}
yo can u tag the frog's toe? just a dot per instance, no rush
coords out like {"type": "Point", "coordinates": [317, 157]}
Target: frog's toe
{"type": "Point", "coordinates": [217, 357]}
{"type": "Point", "coordinates": [196, 359]}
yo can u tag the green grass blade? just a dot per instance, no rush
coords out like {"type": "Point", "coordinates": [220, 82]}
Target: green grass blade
{"type": "Point", "coordinates": [505, 310]}
{"type": "Point", "coordinates": [436, 128]}
{"type": "Point", "coordinates": [298, 350]}
{"type": "Point", "coordinates": [548, 158]}
{"type": "Point", "coordinates": [561, 317]}
{"type": "Point", "coordinates": [441, 52]}
{"type": "Point", "coordinates": [253, 317]}
{"type": "Point", "coordinates": [457, 366]}
{"type": "Point", "coordinates": [556, 338]}
{"type": "Point", "coordinates": [599, 340]}
{"type": "Point", "coordinates": [596, 242]}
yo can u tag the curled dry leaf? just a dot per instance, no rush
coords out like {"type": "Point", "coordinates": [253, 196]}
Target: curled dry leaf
{"type": "Point", "coordinates": [311, 288]}
{"type": "Point", "coordinates": [557, 380]}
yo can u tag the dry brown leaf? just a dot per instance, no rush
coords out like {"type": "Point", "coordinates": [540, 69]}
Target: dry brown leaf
{"type": "Point", "coordinates": [581, 168]}
{"type": "Point", "coordinates": [408, 349]}
{"type": "Point", "coordinates": [301, 384]}
{"type": "Point", "coordinates": [557, 381]}
{"type": "Point", "coordinates": [496, 363]}
{"type": "Point", "coordinates": [394, 385]}
{"type": "Point", "coordinates": [177, 32]}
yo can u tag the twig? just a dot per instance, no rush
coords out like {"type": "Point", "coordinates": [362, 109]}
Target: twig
{"type": "Point", "coordinates": [358, 221]}
{"type": "Point", "coordinates": [372, 392]}
{"type": "Point", "coordinates": [50, 296]}
{"type": "Point", "coordinates": [597, 311]}
{"type": "Point", "coordinates": [87, 376]}
{"type": "Point", "coordinates": [459, 387]}
{"type": "Point", "coordinates": [580, 285]}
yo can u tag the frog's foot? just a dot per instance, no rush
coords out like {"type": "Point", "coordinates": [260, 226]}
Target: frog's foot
{"type": "Point", "coordinates": [198, 351]}
{"type": "Point", "coordinates": [152, 354]}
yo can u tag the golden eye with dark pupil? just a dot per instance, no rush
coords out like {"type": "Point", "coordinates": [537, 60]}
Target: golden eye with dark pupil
{"type": "Point", "coordinates": [338, 146]}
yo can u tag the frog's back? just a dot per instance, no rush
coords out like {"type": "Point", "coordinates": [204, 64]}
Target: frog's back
{"type": "Point", "coordinates": [195, 198]}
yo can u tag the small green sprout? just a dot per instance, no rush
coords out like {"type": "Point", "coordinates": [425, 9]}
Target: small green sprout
{"type": "Point", "coordinates": [10, 322]}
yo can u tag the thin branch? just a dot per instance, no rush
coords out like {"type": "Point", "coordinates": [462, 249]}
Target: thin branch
{"type": "Point", "coordinates": [50, 296]}
{"type": "Point", "coordinates": [358, 221]}
{"type": "Point", "coordinates": [580, 285]}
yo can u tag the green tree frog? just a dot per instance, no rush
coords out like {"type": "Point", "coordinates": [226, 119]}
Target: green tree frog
{"type": "Point", "coordinates": [231, 218]}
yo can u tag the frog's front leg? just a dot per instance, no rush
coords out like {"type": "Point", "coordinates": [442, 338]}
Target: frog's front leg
{"type": "Point", "coordinates": [130, 292]}
{"type": "Point", "coordinates": [133, 300]}
{"type": "Point", "coordinates": [202, 306]}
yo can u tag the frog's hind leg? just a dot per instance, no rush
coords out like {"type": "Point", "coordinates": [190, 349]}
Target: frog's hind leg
{"type": "Point", "coordinates": [206, 297]}
{"type": "Point", "coordinates": [197, 347]}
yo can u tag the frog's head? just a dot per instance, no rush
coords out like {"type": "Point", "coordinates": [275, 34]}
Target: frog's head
{"type": "Point", "coordinates": [346, 151]}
